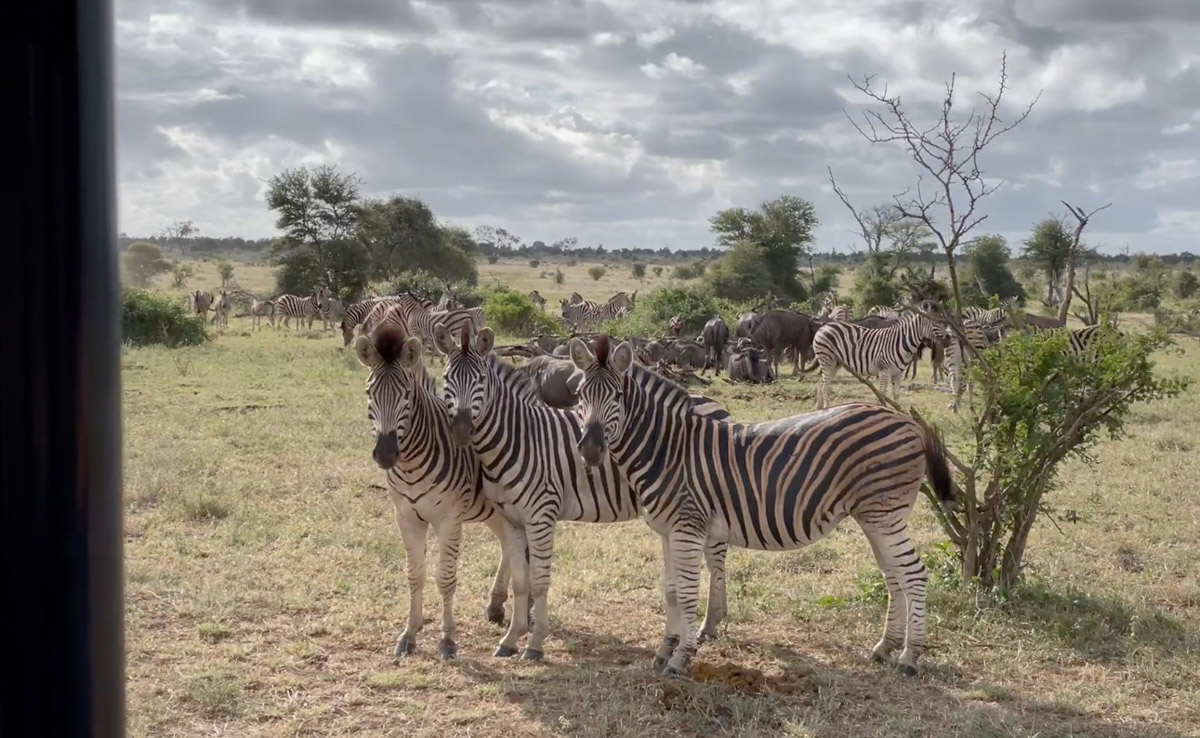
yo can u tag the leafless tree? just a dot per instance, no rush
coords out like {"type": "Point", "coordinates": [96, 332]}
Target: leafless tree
{"type": "Point", "coordinates": [884, 229]}
{"type": "Point", "coordinates": [1081, 221]}
{"type": "Point", "coordinates": [950, 183]}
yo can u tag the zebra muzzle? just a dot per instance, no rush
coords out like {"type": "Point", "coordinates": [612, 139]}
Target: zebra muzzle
{"type": "Point", "coordinates": [386, 450]}
{"type": "Point", "coordinates": [460, 426]}
{"type": "Point", "coordinates": [591, 445]}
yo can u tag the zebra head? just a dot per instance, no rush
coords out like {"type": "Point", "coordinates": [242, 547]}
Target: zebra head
{"type": "Point", "coordinates": [601, 394]}
{"type": "Point", "coordinates": [392, 356]}
{"type": "Point", "coordinates": [466, 377]}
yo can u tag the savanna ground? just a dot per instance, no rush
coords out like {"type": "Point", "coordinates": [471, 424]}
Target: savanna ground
{"type": "Point", "coordinates": [266, 582]}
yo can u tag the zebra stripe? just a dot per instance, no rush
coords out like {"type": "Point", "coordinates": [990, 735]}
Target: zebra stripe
{"type": "Point", "coordinates": [300, 308]}
{"type": "Point", "coordinates": [870, 352]}
{"type": "Point", "coordinates": [432, 481]}
{"type": "Point", "coordinates": [991, 316]}
{"type": "Point", "coordinates": [777, 485]}
{"type": "Point", "coordinates": [260, 309]}
{"type": "Point", "coordinates": [832, 309]}
{"type": "Point", "coordinates": [527, 448]}
{"type": "Point", "coordinates": [222, 306]}
{"type": "Point", "coordinates": [587, 315]}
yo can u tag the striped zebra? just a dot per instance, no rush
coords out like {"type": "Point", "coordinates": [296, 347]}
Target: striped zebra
{"type": "Point", "coordinates": [301, 308]}
{"type": "Point", "coordinates": [331, 311]}
{"type": "Point", "coordinates": [431, 480]}
{"type": "Point", "coordinates": [222, 306]}
{"type": "Point", "coordinates": [536, 298]}
{"type": "Point", "coordinates": [527, 448]}
{"type": "Point", "coordinates": [587, 315]}
{"type": "Point", "coordinates": [958, 357]}
{"type": "Point", "coordinates": [832, 309]}
{"type": "Point", "coordinates": [870, 352]}
{"type": "Point", "coordinates": [777, 485]}
{"type": "Point", "coordinates": [356, 314]}
{"type": "Point", "coordinates": [420, 318]}
{"type": "Point", "coordinates": [887, 313]}
{"type": "Point", "coordinates": [991, 316]}
{"type": "Point", "coordinates": [200, 301]}
{"type": "Point", "coordinates": [260, 309]}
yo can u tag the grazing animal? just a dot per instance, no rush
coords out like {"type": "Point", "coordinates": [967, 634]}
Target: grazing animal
{"type": "Point", "coordinates": [785, 329]}
{"type": "Point", "coordinates": [715, 337]}
{"type": "Point", "coordinates": [528, 449]}
{"type": "Point", "coordinates": [431, 480]}
{"type": "Point", "coordinates": [536, 298]}
{"type": "Point", "coordinates": [687, 354]}
{"type": "Point", "coordinates": [870, 352]}
{"type": "Point", "coordinates": [746, 364]}
{"type": "Point", "coordinates": [587, 315]}
{"type": "Point", "coordinates": [832, 309]}
{"type": "Point", "coordinates": [303, 309]}
{"type": "Point", "coordinates": [746, 323]}
{"type": "Point", "coordinates": [260, 309]}
{"type": "Point", "coordinates": [221, 309]}
{"type": "Point", "coordinates": [777, 485]}
{"type": "Point", "coordinates": [887, 313]}
{"type": "Point", "coordinates": [331, 312]}
{"type": "Point", "coordinates": [1037, 323]}
{"type": "Point", "coordinates": [200, 302]}
{"type": "Point", "coordinates": [991, 316]}
{"type": "Point", "coordinates": [556, 380]}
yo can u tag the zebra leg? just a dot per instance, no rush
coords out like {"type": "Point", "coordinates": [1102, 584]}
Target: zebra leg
{"type": "Point", "coordinates": [714, 613]}
{"type": "Point", "coordinates": [449, 536]}
{"type": "Point", "coordinates": [894, 375]}
{"type": "Point", "coordinates": [687, 551]}
{"type": "Point", "coordinates": [495, 608]}
{"type": "Point", "coordinates": [671, 635]}
{"type": "Point", "coordinates": [515, 543]}
{"type": "Point", "coordinates": [412, 531]}
{"type": "Point", "coordinates": [541, 548]}
{"type": "Point", "coordinates": [906, 578]}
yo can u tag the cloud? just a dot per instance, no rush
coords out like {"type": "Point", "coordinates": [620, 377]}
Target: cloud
{"type": "Point", "coordinates": [629, 123]}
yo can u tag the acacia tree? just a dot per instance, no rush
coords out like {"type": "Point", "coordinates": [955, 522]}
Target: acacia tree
{"type": "Point", "coordinates": [950, 183]}
{"type": "Point", "coordinates": [782, 231]}
{"type": "Point", "coordinates": [180, 234]}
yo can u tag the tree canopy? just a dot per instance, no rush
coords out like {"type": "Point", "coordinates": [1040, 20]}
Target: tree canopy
{"type": "Point", "coordinates": [781, 230]}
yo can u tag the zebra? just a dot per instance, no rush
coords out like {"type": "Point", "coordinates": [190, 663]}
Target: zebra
{"type": "Point", "coordinates": [536, 298]}
{"type": "Point", "coordinates": [260, 309]}
{"type": "Point", "coordinates": [221, 309]}
{"type": "Point", "coordinates": [588, 314]}
{"type": "Point", "coordinates": [830, 308]}
{"type": "Point", "coordinates": [432, 481]}
{"type": "Point", "coordinates": [527, 448]}
{"type": "Point", "coordinates": [957, 357]}
{"type": "Point", "coordinates": [330, 311]}
{"type": "Point", "coordinates": [887, 313]}
{"type": "Point", "coordinates": [301, 308]}
{"type": "Point", "coordinates": [991, 316]}
{"type": "Point", "coordinates": [777, 485]}
{"type": "Point", "coordinates": [357, 313]}
{"type": "Point", "coordinates": [418, 315]}
{"type": "Point", "coordinates": [870, 352]}
{"type": "Point", "coordinates": [200, 301]}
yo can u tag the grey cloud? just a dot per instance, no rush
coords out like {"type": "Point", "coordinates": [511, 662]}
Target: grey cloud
{"type": "Point", "coordinates": [377, 14]}
{"type": "Point", "coordinates": [1075, 12]}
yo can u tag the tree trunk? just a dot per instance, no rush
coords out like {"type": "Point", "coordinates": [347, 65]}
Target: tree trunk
{"type": "Point", "coordinates": [954, 279]}
{"type": "Point", "coordinates": [1065, 305]}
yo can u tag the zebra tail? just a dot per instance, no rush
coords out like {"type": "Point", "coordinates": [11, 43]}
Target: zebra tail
{"type": "Point", "coordinates": [938, 470]}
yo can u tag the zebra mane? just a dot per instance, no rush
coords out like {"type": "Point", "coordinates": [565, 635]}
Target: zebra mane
{"type": "Point", "coordinates": [389, 339]}
{"type": "Point", "coordinates": [656, 384]}
{"type": "Point", "coordinates": [518, 381]}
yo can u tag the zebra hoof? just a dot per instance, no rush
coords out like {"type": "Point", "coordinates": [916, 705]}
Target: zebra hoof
{"type": "Point", "coordinates": [447, 650]}
{"type": "Point", "coordinates": [532, 655]}
{"type": "Point", "coordinates": [406, 646]}
{"type": "Point", "coordinates": [495, 614]}
{"type": "Point", "coordinates": [907, 670]}
{"type": "Point", "coordinates": [504, 652]}
{"type": "Point", "coordinates": [659, 663]}
{"type": "Point", "coordinates": [671, 672]}
{"type": "Point", "coordinates": [705, 637]}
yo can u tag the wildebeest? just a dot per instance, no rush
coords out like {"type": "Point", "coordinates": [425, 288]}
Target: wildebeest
{"type": "Point", "coordinates": [556, 379]}
{"type": "Point", "coordinates": [746, 364]}
{"type": "Point", "coordinates": [784, 329]}
{"type": "Point", "coordinates": [685, 353]}
{"type": "Point", "coordinates": [1038, 323]}
{"type": "Point", "coordinates": [746, 323]}
{"type": "Point", "coordinates": [715, 336]}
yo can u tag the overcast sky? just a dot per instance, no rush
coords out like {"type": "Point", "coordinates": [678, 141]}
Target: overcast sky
{"type": "Point", "coordinates": [630, 122]}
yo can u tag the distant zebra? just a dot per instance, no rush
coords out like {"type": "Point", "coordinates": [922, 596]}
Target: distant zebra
{"type": "Point", "coordinates": [200, 302]}
{"type": "Point", "coordinates": [330, 311]}
{"type": "Point", "coordinates": [778, 485]}
{"type": "Point", "coordinates": [958, 358]}
{"type": "Point", "coordinates": [870, 352]}
{"type": "Point", "coordinates": [432, 481]}
{"type": "Point", "coordinates": [529, 449]}
{"type": "Point", "coordinates": [420, 318]}
{"type": "Point", "coordinates": [301, 308]}
{"type": "Point", "coordinates": [587, 315]}
{"type": "Point", "coordinates": [536, 298]}
{"type": "Point", "coordinates": [260, 309]}
{"type": "Point", "coordinates": [221, 309]}
{"type": "Point", "coordinates": [832, 309]}
{"type": "Point", "coordinates": [675, 325]}
{"type": "Point", "coordinates": [991, 316]}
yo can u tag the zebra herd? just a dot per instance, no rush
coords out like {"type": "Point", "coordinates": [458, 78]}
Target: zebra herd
{"type": "Point", "coordinates": [584, 316]}
{"type": "Point", "coordinates": [304, 310]}
{"type": "Point", "coordinates": [636, 446]}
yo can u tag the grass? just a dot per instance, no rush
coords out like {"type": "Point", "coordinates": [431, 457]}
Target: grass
{"type": "Point", "coordinates": [266, 585]}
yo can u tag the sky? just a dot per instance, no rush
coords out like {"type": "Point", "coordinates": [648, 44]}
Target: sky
{"type": "Point", "coordinates": [630, 123]}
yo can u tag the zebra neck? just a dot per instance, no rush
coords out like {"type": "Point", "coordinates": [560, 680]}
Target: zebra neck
{"type": "Point", "coordinates": [428, 426]}
{"type": "Point", "coordinates": [648, 451]}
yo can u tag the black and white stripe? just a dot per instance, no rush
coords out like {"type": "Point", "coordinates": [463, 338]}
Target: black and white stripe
{"type": "Point", "coordinates": [260, 309]}
{"type": "Point", "coordinates": [870, 352]}
{"type": "Point", "coordinates": [304, 309]}
{"type": "Point", "coordinates": [432, 481]}
{"type": "Point", "coordinates": [990, 316]}
{"type": "Point", "coordinates": [776, 486]}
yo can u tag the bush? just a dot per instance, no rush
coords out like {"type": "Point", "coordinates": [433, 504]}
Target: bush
{"type": "Point", "coordinates": [493, 259]}
{"type": "Point", "coordinates": [345, 273]}
{"type": "Point", "coordinates": [658, 271]}
{"type": "Point", "coordinates": [596, 273]}
{"type": "Point", "coordinates": [874, 286]}
{"type": "Point", "coordinates": [655, 310]}
{"type": "Point", "coordinates": [684, 272]}
{"type": "Point", "coordinates": [700, 266]}
{"type": "Point", "coordinates": [225, 269]}
{"type": "Point", "coordinates": [559, 277]}
{"type": "Point", "coordinates": [149, 318]}
{"type": "Point", "coordinates": [534, 263]}
{"type": "Point", "coordinates": [638, 269]}
{"type": "Point", "coordinates": [143, 261]}
{"type": "Point", "coordinates": [513, 313]}
{"type": "Point", "coordinates": [419, 282]}
{"type": "Point", "coordinates": [1186, 284]}
{"type": "Point", "coordinates": [180, 274]}
{"type": "Point", "coordinates": [742, 274]}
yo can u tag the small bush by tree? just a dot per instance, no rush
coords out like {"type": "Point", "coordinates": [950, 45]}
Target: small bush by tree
{"type": "Point", "coordinates": [513, 313]}
{"type": "Point", "coordinates": [143, 261]}
{"type": "Point", "coordinates": [534, 263]}
{"type": "Point", "coordinates": [782, 228]}
{"type": "Point", "coordinates": [874, 283]}
{"type": "Point", "coordinates": [743, 274]}
{"type": "Point", "coordinates": [225, 270]}
{"type": "Point", "coordinates": [596, 272]}
{"type": "Point", "coordinates": [180, 274]}
{"type": "Point", "coordinates": [149, 318]}
{"type": "Point", "coordinates": [1186, 284]}
{"type": "Point", "coordinates": [638, 269]}
{"type": "Point", "coordinates": [654, 310]}
{"type": "Point", "coordinates": [658, 270]}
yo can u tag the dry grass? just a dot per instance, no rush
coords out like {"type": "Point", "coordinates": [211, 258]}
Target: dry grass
{"type": "Point", "coordinates": [266, 587]}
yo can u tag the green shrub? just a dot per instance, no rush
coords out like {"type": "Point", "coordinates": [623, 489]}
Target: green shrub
{"type": "Point", "coordinates": [559, 277]}
{"type": "Point", "coordinates": [596, 273]}
{"type": "Point", "coordinates": [534, 263]}
{"type": "Point", "coordinates": [225, 269]}
{"type": "Point", "coordinates": [143, 261]}
{"type": "Point", "coordinates": [419, 282]}
{"type": "Point", "coordinates": [149, 318]}
{"type": "Point", "coordinates": [638, 269]}
{"type": "Point", "coordinates": [512, 313]}
{"type": "Point", "coordinates": [684, 272]}
{"type": "Point", "coordinates": [742, 274]}
{"type": "Point", "coordinates": [1186, 284]}
{"type": "Point", "coordinates": [696, 304]}
{"type": "Point", "coordinates": [493, 259]}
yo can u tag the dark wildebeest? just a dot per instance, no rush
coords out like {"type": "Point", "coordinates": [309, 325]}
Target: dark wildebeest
{"type": "Point", "coordinates": [786, 329]}
{"type": "Point", "coordinates": [685, 353]}
{"type": "Point", "coordinates": [746, 364]}
{"type": "Point", "coordinates": [556, 380]}
{"type": "Point", "coordinates": [746, 323]}
{"type": "Point", "coordinates": [715, 336]}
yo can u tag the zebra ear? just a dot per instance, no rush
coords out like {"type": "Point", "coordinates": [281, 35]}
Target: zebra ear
{"type": "Point", "coordinates": [410, 354]}
{"type": "Point", "coordinates": [367, 355]}
{"type": "Point", "coordinates": [485, 340]}
{"type": "Point", "coordinates": [581, 355]}
{"type": "Point", "coordinates": [621, 358]}
{"type": "Point", "coordinates": [443, 340]}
